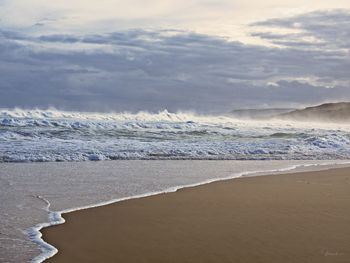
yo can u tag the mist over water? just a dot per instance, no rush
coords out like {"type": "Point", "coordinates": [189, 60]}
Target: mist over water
{"type": "Point", "coordinates": [52, 135]}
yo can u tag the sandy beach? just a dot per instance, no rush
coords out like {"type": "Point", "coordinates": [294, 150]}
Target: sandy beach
{"type": "Point", "coordinates": [302, 217]}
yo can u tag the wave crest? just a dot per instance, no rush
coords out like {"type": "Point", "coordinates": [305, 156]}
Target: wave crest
{"type": "Point", "coordinates": [53, 135]}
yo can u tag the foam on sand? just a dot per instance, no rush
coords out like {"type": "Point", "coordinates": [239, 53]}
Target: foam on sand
{"type": "Point", "coordinates": [262, 168]}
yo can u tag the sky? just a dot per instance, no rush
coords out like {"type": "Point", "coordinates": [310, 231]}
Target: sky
{"type": "Point", "coordinates": [204, 56]}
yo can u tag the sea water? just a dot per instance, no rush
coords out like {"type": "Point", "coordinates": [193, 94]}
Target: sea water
{"type": "Point", "coordinates": [138, 155]}
{"type": "Point", "coordinates": [51, 135]}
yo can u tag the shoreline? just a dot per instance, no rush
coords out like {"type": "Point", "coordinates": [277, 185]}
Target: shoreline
{"type": "Point", "coordinates": [57, 218]}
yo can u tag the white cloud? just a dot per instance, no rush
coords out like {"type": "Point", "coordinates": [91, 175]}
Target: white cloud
{"type": "Point", "coordinates": [221, 17]}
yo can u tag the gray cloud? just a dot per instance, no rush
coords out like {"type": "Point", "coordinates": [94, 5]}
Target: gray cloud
{"type": "Point", "coordinates": [331, 28]}
{"type": "Point", "coordinates": [152, 70]}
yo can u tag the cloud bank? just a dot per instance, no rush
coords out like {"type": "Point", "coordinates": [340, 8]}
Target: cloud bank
{"type": "Point", "coordinates": [151, 70]}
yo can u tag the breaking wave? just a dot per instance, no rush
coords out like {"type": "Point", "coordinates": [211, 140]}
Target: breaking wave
{"type": "Point", "coordinates": [53, 135]}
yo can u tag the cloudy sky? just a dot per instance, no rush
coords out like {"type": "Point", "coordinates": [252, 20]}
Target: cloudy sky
{"type": "Point", "coordinates": [204, 56]}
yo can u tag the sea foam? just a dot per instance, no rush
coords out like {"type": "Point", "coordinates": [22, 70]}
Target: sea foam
{"type": "Point", "coordinates": [52, 135]}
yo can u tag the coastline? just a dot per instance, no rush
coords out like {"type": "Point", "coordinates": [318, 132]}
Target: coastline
{"type": "Point", "coordinates": [35, 194]}
{"type": "Point", "coordinates": [146, 200]}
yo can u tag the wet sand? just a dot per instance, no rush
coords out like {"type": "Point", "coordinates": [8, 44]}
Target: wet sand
{"type": "Point", "coordinates": [303, 217]}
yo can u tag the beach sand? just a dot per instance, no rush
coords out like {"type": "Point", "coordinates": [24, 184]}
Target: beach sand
{"type": "Point", "coordinates": [303, 217]}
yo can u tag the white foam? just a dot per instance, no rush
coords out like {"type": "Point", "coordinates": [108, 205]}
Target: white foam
{"type": "Point", "coordinates": [51, 135]}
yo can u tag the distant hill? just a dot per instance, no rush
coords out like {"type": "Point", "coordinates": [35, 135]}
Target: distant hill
{"type": "Point", "coordinates": [258, 113]}
{"type": "Point", "coordinates": [332, 112]}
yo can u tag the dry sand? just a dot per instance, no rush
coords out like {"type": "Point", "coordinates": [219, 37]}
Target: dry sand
{"type": "Point", "coordinates": [295, 218]}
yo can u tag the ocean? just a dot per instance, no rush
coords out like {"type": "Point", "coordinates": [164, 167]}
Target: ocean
{"type": "Point", "coordinates": [52, 135]}
{"type": "Point", "coordinates": [53, 162]}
